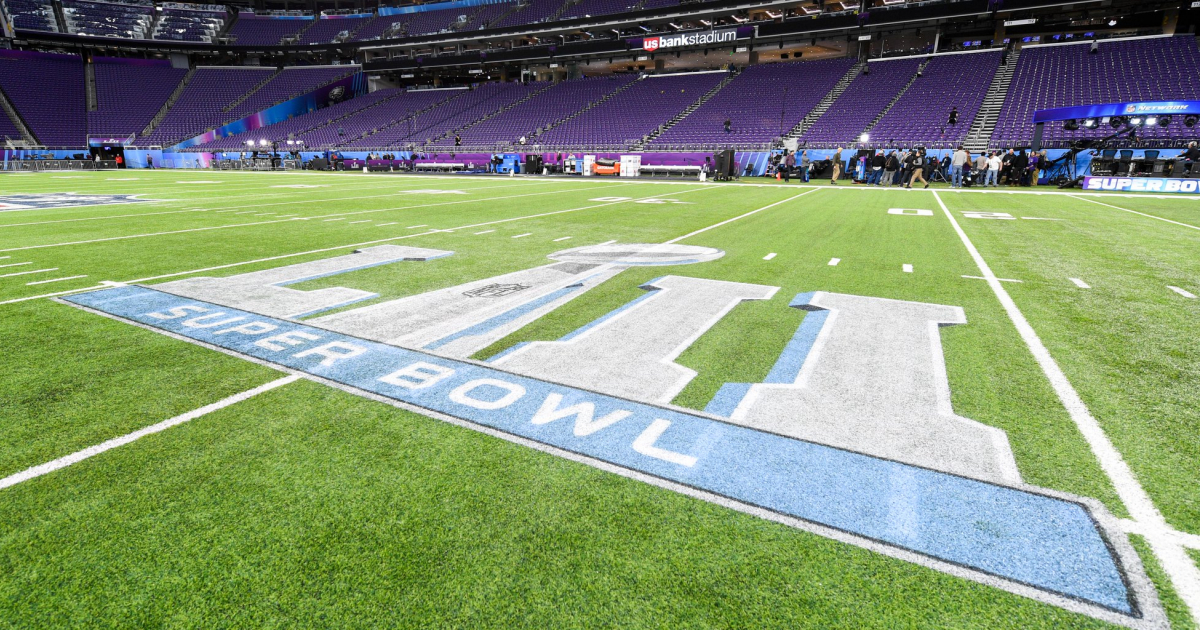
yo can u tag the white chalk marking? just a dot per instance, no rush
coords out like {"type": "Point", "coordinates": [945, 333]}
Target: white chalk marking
{"type": "Point", "coordinates": [1079, 283]}
{"type": "Point", "coordinates": [413, 227]}
{"type": "Point", "coordinates": [740, 216]}
{"type": "Point", "coordinates": [26, 273]}
{"type": "Point", "coordinates": [386, 224]}
{"type": "Point", "coordinates": [1184, 293]}
{"type": "Point", "coordinates": [523, 235]}
{"type": "Point", "coordinates": [565, 238]}
{"type": "Point", "coordinates": [769, 256]}
{"type": "Point", "coordinates": [484, 232]}
{"type": "Point", "coordinates": [338, 219]}
{"type": "Point", "coordinates": [363, 221]}
{"type": "Point", "coordinates": [1000, 279]}
{"type": "Point", "coordinates": [91, 451]}
{"type": "Point", "coordinates": [1151, 216]}
{"type": "Point", "coordinates": [1191, 541]}
{"type": "Point", "coordinates": [29, 284]}
{"type": "Point", "coordinates": [907, 268]}
{"type": "Point", "coordinates": [1173, 557]}
{"type": "Point", "coordinates": [16, 264]}
{"type": "Point", "coordinates": [1041, 219]}
{"type": "Point", "coordinates": [834, 261]}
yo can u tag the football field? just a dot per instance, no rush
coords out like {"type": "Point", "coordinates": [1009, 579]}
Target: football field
{"type": "Point", "coordinates": [347, 400]}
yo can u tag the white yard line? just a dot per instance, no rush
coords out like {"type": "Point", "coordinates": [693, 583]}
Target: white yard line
{"type": "Point", "coordinates": [274, 221]}
{"type": "Point", "coordinates": [117, 216]}
{"type": "Point", "coordinates": [74, 458]}
{"type": "Point", "coordinates": [559, 240]}
{"type": "Point", "coordinates": [1000, 279]}
{"type": "Point", "coordinates": [16, 264]}
{"type": "Point", "coordinates": [1151, 216]}
{"type": "Point", "coordinates": [413, 227]}
{"type": "Point", "coordinates": [742, 216]}
{"type": "Point", "coordinates": [484, 232]}
{"type": "Point", "coordinates": [769, 256]}
{"type": "Point", "coordinates": [363, 221]}
{"type": "Point", "coordinates": [1079, 283]}
{"type": "Point", "coordinates": [386, 224]}
{"type": "Point", "coordinates": [29, 284]}
{"type": "Point", "coordinates": [1185, 293]}
{"type": "Point", "coordinates": [338, 219]}
{"type": "Point", "coordinates": [523, 235]}
{"type": "Point", "coordinates": [907, 268]}
{"type": "Point", "coordinates": [833, 262]}
{"type": "Point", "coordinates": [1174, 559]}
{"type": "Point", "coordinates": [26, 273]}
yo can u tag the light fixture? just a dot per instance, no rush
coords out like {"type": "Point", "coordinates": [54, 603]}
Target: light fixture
{"type": "Point", "coordinates": [1135, 121]}
{"type": "Point", "coordinates": [1151, 121]}
{"type": "Point", "coordinates": [1112, 22]}
{"type": "Point", "coordinates": [1163, 121]}
{"type": "Point", "coordinates": [866, 137]}
{"type": "Point", "coordinates": [1088, 123]}
{"type": "Point", "coordinates": [1190, 121]}
{"type": "Point", "coordinates": [1071, 125]}
{"type": "Point", "coordinates": [1116, 121]}
{"type": "Point", "coordinates": [263, 142]}
{"type": "Point", "coordinates": [249, 143]}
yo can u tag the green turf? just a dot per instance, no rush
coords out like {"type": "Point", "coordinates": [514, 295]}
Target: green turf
{"type": "Point", "coordinates": [308, 506]}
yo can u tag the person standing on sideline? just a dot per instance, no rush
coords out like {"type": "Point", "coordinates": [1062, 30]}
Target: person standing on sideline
{"type": "Point", "coordinates": [891, 164]}
{"type": "Point", "coordinates": [150, 161]}
{"type": "Point", "coordinates": [993, 170]}
{"type": "Point", "coordinates": [805, 164]}
{"type": "Point", "coordinates": [837, 166]}
{"type": "Point", "coordinates": [877, 162]}
{"type": "Point", "coordinates": [918, 169]}
{"type": "Point", "coordinates": [1006, 166]}
{"type": "Point", "coordinates": [789, 163]}
{"type": "Point", "coordinates": [981, 166]}
{"type": "Point", "coordinates": [961, 157]}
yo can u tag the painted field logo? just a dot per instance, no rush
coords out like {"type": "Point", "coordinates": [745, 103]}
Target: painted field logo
{"type": "Point", "coordinates": [850, 435]}
{"type": "Point", "coordinates": [40, 201]}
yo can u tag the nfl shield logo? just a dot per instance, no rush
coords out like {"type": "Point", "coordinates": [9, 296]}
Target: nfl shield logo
{"type": "Point", "coordinates": [496, 290]}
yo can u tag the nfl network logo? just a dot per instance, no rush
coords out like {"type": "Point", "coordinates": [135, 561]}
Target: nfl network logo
{"type": "Point", "coordinates": [1129, 109]}
{"type": "Point", "coordinates": [650, 43]}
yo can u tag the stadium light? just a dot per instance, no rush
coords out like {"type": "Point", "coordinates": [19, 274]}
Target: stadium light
{"type": "Point", "coordinates": [1151, 121]}
{"type": "Point", "coordinates": [1116, 121]}
{"type": "Point", "coordinates": [1071, 125]}
{"type": "Point", "coordinates": [263, 142]}
{"type": "Point", "coordinates": [1190, 121]}
{"type": "Point", "coordinates": [866, 137]}
{"type": "Point", "coordinates": [1136, 121]}
{"type": "Point", "coordinates": [1088, 123]}
{"type": "Point", "coordinates": [1163, 121]}
{"type": "Point", "coordinates": [249, 143]}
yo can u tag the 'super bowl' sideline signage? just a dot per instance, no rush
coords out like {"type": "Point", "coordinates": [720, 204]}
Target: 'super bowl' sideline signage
{"type": "Point", "coordinates": [871, 456]}
{"type": "Point", "coordinates": [701, 38]}
{"type": "Point", "coordinates": [1143, 184]}
{"type": "Point", "coordinates": [1147, 108]}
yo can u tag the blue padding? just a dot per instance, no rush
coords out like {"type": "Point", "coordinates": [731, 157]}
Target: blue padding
{"type": "Point", "coordinates": [1041, 541]}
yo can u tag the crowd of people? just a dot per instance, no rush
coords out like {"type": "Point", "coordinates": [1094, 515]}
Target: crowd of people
{"type": "Point", "coordinates": [908, 167]}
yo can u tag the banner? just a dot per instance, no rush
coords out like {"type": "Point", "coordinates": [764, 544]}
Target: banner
{"type": "Point", "coordinates": [702, 38]}
{"type": "Point", "coordinates": [1147, 108]}
{"type": "Point", "coordinates": [1143, 184]}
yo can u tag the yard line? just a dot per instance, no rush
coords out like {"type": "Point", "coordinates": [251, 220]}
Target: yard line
{"type": "Point", "coordinates": [338, 219]}
{"type": "Point", "coordinates": [1107, 205]}
{"type": "Point", "coordinates": [273, 221]}
{"type": "Point", "coordinates": [26, 273]}
{"type": "Point", "coordinates": [363, 221]}
{"type": "Point", "coordinates": [907, 268]}
{"type": "Point", "coordinates": [115, 216]}
{"type": "Point", "coordinates": [386, 224]}
{"type": "Point", "coordinates": [769, 256]}
{"type": "Point", "coordinates": [1173, 557]}
{"type": "Point", "coordinates": [1079, 283]}
{"type": "Point", "coordinates": [4, 257]}
{"type": "Point", "coordinates": [1184, 293]}
{"type": "Point", "coordinates": [1040, 219]}
{"type": "Point", "coordinates": [523, 235]}
{"type": "Point", "coordinates": [484, 232]}
{"type": "Point", "coordinates": [834, 261]}
{"type": "Point", "coordinates": [565, 238]}
{"type": "Point", "coordinates": [16, 264]}
{"type": "Point", "coordinates": [29, 284]}
{"type": "Point", "coordinates": [74, 458]}
{"type": "Point", "coordinates": [717, 225]}
{"type": "Point", "coordinates": [1000, 279]}
{"type": "Point", "coordinates": [413, 227]}
{"type": "Point", "coordinates": [347, 246]}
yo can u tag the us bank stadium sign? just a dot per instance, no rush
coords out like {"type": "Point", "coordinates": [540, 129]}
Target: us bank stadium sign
{"type": "Point", "coordinates": [686, 40]}
{"type": "Point", "coordinates": [852, 434]}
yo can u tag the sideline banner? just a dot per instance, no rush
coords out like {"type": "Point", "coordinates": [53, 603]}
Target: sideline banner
{"type": "Point", "coordinates": [1143, 184]}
